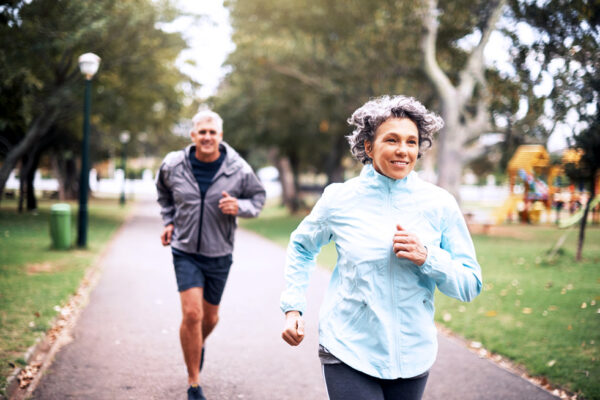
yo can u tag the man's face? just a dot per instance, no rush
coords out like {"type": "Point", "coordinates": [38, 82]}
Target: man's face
{"type": "Point", "coordinates": [206, 136]}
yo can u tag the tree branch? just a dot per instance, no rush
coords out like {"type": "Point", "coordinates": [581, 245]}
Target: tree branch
{"type": "Point", "coordinates": [322, 84]}
{"type": "Point", "coordinates": [433, 71]}
{"type": "Point", "coordinates": [475, 67]}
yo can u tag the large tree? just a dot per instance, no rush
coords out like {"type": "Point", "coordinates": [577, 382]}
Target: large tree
{"type": "Point", "coordinates": [299, 70]}
{"type": "Point", "coordinates": [135, 89]}
{"type": "Point", "coordinates": [302, 67]}
{"type": "Point", "coordinates": [463, 89]}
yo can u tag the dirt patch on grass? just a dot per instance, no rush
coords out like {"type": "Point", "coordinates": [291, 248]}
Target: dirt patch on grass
{"type": "Point", "coordinates": [515, 232]}
{"type": "Point", "coordinates": [37, 268]}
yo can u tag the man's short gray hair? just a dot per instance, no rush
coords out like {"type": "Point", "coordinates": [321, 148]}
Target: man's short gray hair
{"type": "Point", "coordinates": [375, 112]}
{"type": "Point", "coordinates": [208, 115]}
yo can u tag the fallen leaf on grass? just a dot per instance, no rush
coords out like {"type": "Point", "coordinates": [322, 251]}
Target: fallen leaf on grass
{"type": "Point", "coordinates": [491, 313]}
{"type": "Point", "coordinates": [551, 363]}
{"type": "Point", "coordinates": [584, 305]}
{"type": "Point", "coordinates": [527, 310]}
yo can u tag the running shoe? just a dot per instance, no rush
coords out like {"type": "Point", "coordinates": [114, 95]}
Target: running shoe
{"type": "Point", "coordinates": [195, 393]}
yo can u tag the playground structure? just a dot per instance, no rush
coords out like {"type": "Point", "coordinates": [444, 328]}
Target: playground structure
{"type": "Point", "coordinates": [531, 165]}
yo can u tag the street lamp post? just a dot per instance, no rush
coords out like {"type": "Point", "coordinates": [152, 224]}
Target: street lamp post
{"type": "Point", "coordinates": [88, 65]}
{"type": "Point", "coordinates": [124, 138]}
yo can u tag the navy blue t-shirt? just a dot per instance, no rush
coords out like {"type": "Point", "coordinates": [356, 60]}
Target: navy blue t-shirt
{"type": "Point", "coordinates": [205, 171]}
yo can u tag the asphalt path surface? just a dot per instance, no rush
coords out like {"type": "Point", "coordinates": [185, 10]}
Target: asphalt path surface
{"type": "Point", "coordinates": [126, 342]}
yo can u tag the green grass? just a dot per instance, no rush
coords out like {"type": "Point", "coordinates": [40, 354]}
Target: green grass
{"type": "Point", "coordinates": [35, 278]}
{"type": "Point", "coordinates": [541, 315]}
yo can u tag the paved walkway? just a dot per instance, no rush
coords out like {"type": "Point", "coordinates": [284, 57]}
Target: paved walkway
{"type": "Point", "coordinates": [126, 343]}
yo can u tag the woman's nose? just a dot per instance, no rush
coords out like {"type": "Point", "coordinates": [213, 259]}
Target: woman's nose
{"type": "Point", "coordinates": [401, 148]}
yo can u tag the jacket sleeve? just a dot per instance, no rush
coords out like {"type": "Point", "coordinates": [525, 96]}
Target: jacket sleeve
{"type": "Point", "coordinates": [305, 243]}
{"type": "Point", "coordinates": [165, 197]}
{"type": "Point", "coordinates": [453, 266]}
{"type": "Point", "coordinates": [252, 200]}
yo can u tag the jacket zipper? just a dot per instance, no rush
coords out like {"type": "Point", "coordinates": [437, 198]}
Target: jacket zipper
{"type": "Point", "coordinates": [202, 197]}
{"type": "Point", "coordinates": [395, 345]}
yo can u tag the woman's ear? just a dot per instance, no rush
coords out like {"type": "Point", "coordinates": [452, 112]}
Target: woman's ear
{"type": "Point", "coordinates": [368, 147]}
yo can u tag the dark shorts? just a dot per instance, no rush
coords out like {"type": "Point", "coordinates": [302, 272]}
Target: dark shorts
{"type": "Point", "coordinates": [195, 270]}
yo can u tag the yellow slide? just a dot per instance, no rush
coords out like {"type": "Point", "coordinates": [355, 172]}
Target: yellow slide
{"type": "Point", "coordinates": [501, 213]}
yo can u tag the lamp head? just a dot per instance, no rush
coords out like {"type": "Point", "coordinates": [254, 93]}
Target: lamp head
{"type": "Point", "coordinates": [88, 65]}
{"type": "Point", "coordinates": [124, 137]}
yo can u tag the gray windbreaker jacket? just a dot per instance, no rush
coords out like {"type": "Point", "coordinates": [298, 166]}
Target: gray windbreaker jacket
{"type": "Point", "coordinates": [200, 227]}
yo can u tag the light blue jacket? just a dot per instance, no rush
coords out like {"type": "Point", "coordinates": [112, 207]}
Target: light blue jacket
{"type": "Point", "coordinates": [377, 315]}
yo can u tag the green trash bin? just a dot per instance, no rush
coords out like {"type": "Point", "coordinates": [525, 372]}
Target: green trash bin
{"type": "Point", "coordinates": [60, 226]}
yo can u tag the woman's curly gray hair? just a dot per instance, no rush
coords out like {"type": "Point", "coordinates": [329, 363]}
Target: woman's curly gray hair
{"type": "Point", "coordinates": [373, 113]}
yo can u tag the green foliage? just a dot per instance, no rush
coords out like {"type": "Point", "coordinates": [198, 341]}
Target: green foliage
{"type": "Point", "coordinates": [541, 315]}
{"type": "Point", "coordinates": [300, 68]}
{"type": "Point", "coordinates": [589, 165]}
{"type": "Point", "coordinates": [566, 46]}
{"type": "Point", "coordinates": [137, 87]}
{"type": "Point", "coordinates": [34, 278]}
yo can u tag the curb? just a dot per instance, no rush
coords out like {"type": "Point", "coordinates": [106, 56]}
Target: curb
{"type": "Point", "coordinates": [507, 365]}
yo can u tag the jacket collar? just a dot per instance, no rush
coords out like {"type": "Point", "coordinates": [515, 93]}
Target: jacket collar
{"type": "Point", "coordinates": [374, 179]}
{"type": "Point", "coordinates": [230, 164]}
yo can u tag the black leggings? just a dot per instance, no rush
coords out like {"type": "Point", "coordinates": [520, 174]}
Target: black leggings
{"type": "Point", "coordinates": [346, 383]}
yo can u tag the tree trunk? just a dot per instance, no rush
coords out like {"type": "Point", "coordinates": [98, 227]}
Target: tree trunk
{"type": "Point", "coordinates": [461, 124]}
{"type": "Point", "coordinates": [333, 165]}
{"type": "Point", "coordinates": [583, 223]}
{"type": "Point", "coordinates": [289, 194]}
{"type": "Point", "coordinates": [38, 128]}
{"type": "Point", "coordinates": [449, 155]}
{"type": "Point", "coordinates": [22, 184]}
{"type": "Point", "coordinates": [65, 171]}
{"type": "Point", "coordinates": [30, 177]}
{"type": "Point", "coordinates": [29, 164]}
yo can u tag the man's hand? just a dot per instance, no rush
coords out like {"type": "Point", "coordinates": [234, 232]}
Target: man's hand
{"type": "Point", "coordinates": [165, 237]}
{"type": "Point", "coordinates": [407, 245]}
{"type": "Point", "coordinates": [293, 332]}
{"type": "Point", "coordinates": [228, 205]}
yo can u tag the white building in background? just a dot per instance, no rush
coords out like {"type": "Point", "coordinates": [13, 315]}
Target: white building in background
{"type": "Point", "coordinates": [143, 188]}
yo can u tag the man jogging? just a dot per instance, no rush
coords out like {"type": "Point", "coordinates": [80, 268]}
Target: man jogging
{"type": "Point", "coordinates": [201, 191]}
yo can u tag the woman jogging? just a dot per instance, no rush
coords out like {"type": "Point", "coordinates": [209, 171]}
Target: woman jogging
{"type": "Point", "coordinates": [397, 238]}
